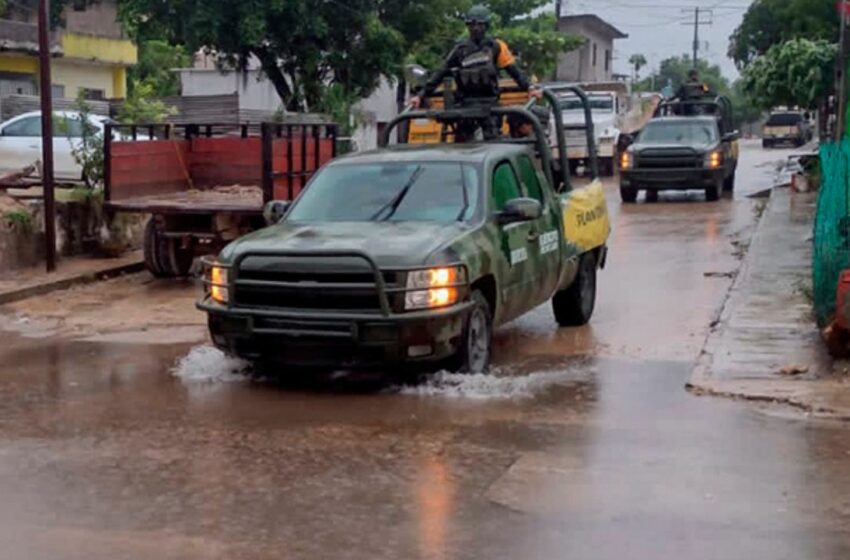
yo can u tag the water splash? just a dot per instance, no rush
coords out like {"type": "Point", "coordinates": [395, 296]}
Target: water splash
{"type": "Point", "coordinates": [497, 385]}
{"type": "Point", "coordinates": [209, 364]}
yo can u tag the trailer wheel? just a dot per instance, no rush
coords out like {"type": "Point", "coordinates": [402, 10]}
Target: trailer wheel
{"type": "Point", "coordinates": [179, 258]}
{"type": "Point", "coordinates": [152, 250]}
{"type": "Point", "coordinates": [164, 256]}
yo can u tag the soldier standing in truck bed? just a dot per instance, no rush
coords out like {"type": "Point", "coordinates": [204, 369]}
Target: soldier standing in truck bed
{"type": "Point", "coordinates": [475, 64]}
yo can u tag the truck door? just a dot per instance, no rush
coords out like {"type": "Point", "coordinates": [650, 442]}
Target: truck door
{"type": "Point", "coordinates": [516, 283]}
{"type": "Point", "coordinates": [544, 238]}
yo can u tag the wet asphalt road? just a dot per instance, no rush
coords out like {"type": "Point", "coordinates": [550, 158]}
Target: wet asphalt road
{"type": "Point", "coordinates": [583, 445]}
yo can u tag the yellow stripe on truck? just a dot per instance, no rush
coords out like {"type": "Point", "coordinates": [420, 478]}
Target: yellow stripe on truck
{"type": "Point", "coordinates": [586, 221]}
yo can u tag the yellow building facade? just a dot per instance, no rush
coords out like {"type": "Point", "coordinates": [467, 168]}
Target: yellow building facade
{"type": "Point", "coordinates": [91, 55]}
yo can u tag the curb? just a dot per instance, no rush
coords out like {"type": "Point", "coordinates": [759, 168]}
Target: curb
{"type": "Point", "coordinates": [48, 286]}
{"type": "Point", "coordinates": [701, 373]}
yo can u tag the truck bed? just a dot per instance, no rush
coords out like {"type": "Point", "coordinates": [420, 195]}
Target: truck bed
{"type": "Point", "coordinates": [242, 199]}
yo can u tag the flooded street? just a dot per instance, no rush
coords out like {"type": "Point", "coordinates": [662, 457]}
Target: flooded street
{"type": "Point", "coordinates": [123, 435]}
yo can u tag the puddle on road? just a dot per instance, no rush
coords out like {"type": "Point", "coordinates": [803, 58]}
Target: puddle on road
{"type": "Point", "coordinates": [206, 364]}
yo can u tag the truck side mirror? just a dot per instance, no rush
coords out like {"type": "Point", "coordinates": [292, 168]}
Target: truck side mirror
{"type": "Point", "coordinates": [732, 136]}
{"type": "Point", "coordinates": [415, 75]}
{"type": "Point", "coordinates": [520, 210]}
{"type": "Point", "coordinates": [275, 210]}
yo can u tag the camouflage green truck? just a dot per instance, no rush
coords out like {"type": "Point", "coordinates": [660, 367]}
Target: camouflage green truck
{"type": "Point", "coordinates": [411, 254]}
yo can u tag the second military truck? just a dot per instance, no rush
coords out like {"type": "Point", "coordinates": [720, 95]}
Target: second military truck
{"type": "Point", "coordinates": [686, 146]}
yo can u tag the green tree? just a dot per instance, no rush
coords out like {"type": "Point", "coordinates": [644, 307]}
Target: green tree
{"type": "Point", "coordinates": [141, 106]}
{"type": "Point", "coordinates": [637, 61]}
{"type": "Point", "coordinates": [303, 46]}
{"type": "Point", "coordinates": [795, 73]}
{"type": "Point", "coordinates": [536, 43]}
{"type": "Point", "coordinates": [771, 22]}
{"type": "Point", "coordinates": [87, 150]}
{"type": "Point", "coordinates": [157, 59]}
{"type": "Point", "coordinates": [744, 110]}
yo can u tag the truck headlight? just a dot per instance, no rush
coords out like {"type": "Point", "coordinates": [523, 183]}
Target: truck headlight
{"type": "Point", "coordinates": [218, 281]}
{"type": "Point", "coordinates": [626, 160]}
{"type": "Point", "coordinates": [714, 159]}
{"type": "Point", "coordinates": [434, 287]}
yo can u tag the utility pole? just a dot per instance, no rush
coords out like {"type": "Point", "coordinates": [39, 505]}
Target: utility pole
{"type": "Point", "coordinates": [559, 11]}
{"type": "Point", "coordinates": [840, 74]}
{"type": "Point", "coordinates": [46, 135]}
{"type": "Point", "coordinates": [707, 19]}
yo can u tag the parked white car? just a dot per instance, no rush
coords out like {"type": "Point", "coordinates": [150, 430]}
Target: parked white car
{"type": "Point", "coordinates": [20, 141]}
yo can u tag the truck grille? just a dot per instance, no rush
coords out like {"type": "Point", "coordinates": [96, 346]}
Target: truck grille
{"type": "Point", "coordinates": [669, 159]}
{"type": "Point", "coordinates": [576, 137]}
{"type": "Point", "coordinates": [292, 283]}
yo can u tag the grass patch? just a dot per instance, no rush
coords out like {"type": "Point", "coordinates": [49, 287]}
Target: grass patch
{"type": "Point", "coordinates": [19, 220]}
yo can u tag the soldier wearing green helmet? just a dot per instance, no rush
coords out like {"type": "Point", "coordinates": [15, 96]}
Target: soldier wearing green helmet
{"type": "Point", "coordinates": [475, 64]}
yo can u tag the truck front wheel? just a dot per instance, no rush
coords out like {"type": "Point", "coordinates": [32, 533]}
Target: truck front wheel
{"type": "Point", "coordinates": [729, 182]}
{"type": "Point", "coordinates": [574, 305]}
{"type": "Point", "coordinates": [713, 192]}
{"type": "Point", "coordinates": [628, 194]}
{"type": "Point", "coordinates": [475, 350]}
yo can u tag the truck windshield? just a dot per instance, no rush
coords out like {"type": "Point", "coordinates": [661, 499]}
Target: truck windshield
{"type": "Point", "coordinates": [784, 119]}
{"type": "Point", "coordinates": [601, 104]}
{"type": "Point", "coordinates": [398, 191]}
{"type": "Point", "coordinates": [689, 132]}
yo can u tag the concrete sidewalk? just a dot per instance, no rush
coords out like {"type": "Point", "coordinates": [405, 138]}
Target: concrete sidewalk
{"type": "Point", "coordinates": [70, 271]}
{"type": "Point", "coordinates": [766, 345]}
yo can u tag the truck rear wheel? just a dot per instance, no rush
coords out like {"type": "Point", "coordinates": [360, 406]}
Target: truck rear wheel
{"type": "Point", "coordinates": [574, 305]}
{"type": "Point", "coordinates": [628, 194]}
{"type": "Point", "coordinates": [476, 345]}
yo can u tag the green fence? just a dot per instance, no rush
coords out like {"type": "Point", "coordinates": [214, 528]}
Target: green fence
{"type": "Point", "coordinates": [832, 225]}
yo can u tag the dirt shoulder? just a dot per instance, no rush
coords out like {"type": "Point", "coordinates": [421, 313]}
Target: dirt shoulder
{"type": "Point", "coordinates": [133, 309]}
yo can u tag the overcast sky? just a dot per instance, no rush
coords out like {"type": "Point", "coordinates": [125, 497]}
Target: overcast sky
{"type": "Point", "coordinates": [656, 28]}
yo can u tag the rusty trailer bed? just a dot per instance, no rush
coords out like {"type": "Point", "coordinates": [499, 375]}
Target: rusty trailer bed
{"type": "Point", "coordinates": [234, 199]}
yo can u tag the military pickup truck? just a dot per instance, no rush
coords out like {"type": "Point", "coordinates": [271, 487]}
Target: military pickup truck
{"type": "Point", "coordinates": [686, 147]}
{"type": "Point", "coordinates": [412, 254]}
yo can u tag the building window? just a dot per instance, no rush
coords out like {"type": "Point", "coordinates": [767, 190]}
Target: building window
{"type": "Point", "coordinates": [594, 55]}
{"type": "Point", "coordinates": [607, 60]}
{"type": "Point", "coordinates": [93, 94]}
{"type": "Point", "coordinates": [57, 91]}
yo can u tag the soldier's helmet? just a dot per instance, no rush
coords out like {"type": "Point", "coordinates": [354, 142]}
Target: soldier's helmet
{"type": "Point", "coordinates": [478, 14]}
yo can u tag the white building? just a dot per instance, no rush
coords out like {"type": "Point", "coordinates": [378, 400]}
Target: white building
{"type": "Point", "coordinates": [593, 62]}
{"type": "Point", "coordinates": [257, 93]}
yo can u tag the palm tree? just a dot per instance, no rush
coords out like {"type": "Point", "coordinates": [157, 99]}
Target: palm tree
{"type": "Point", "coordinates": [637, 61]}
